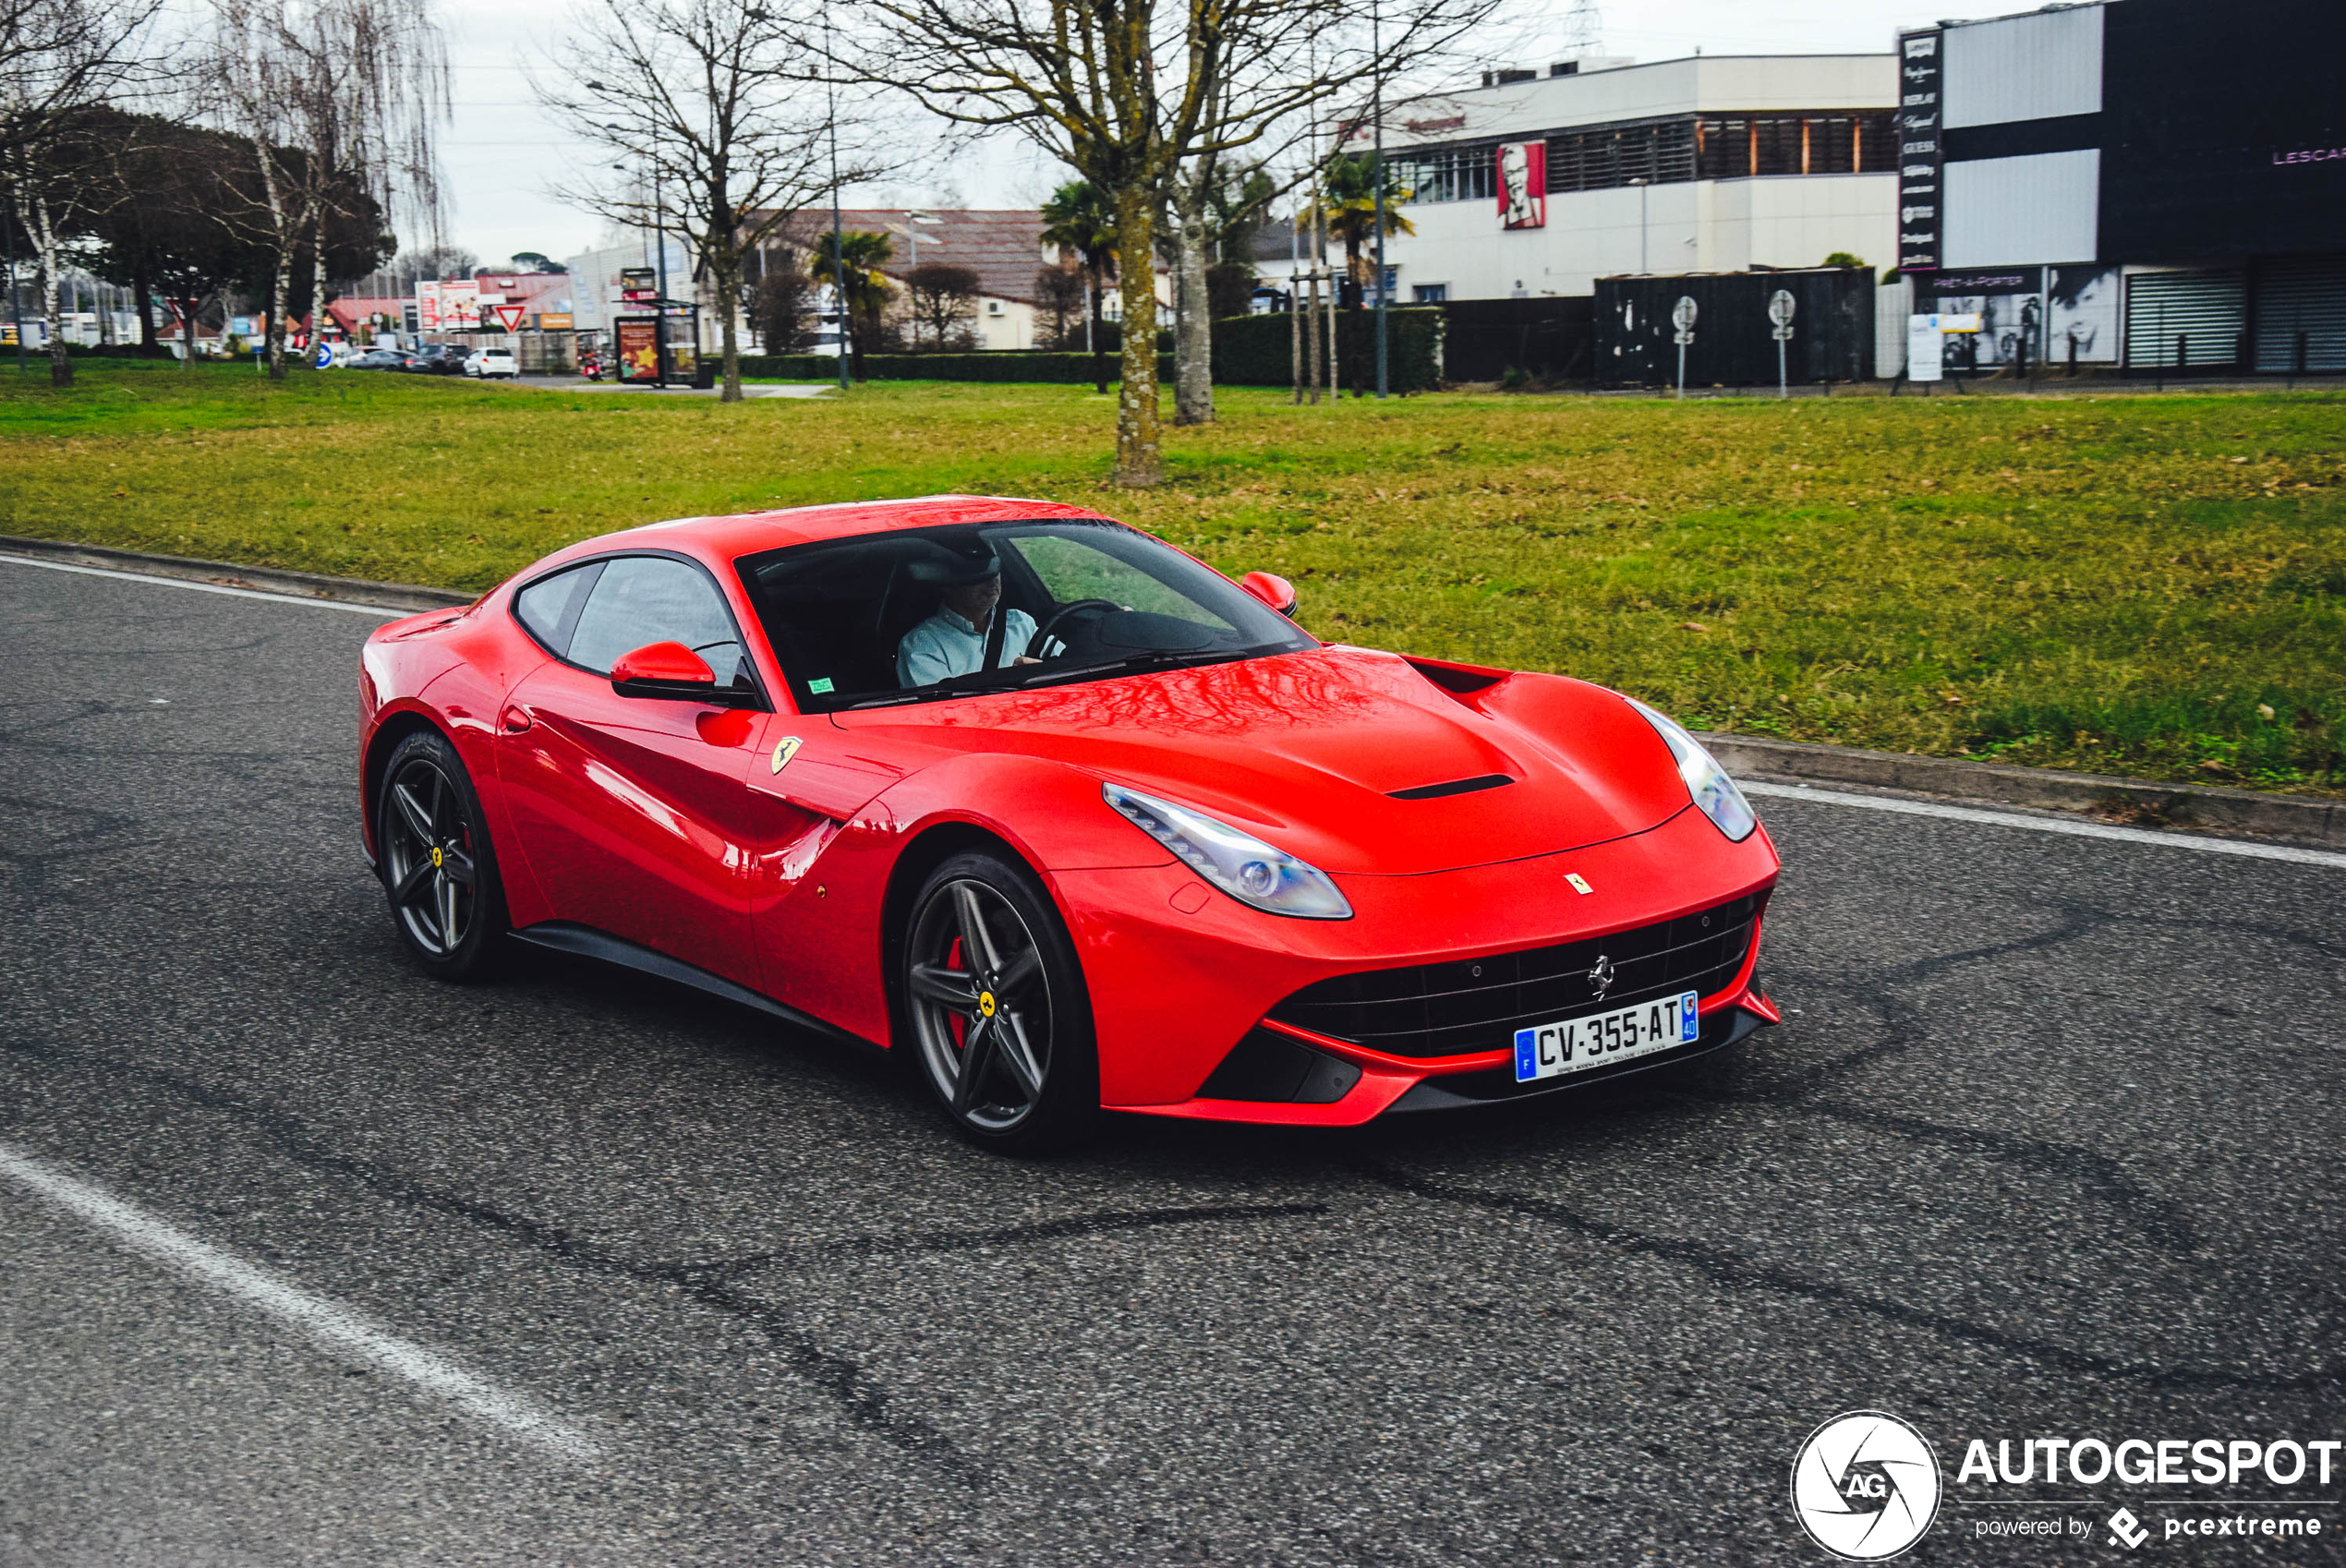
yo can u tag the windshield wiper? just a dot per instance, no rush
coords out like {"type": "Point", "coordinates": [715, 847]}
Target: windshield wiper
{"type": "Point", "coordinates": [1153, 658]}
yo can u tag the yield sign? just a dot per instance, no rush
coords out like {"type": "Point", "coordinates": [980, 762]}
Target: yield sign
{"type": "Point", "coordinates": [509, 316]}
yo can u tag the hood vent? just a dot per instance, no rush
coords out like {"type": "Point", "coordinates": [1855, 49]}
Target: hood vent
{"type": "Point", "coordinates": [1455, 787]}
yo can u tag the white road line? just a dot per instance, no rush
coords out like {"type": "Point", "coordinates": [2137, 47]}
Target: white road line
{"type": "Point", "coordinates": [334, 1327]}
{"type": "Point", "coordinates": [160, 582]}
{"type": "Point", "coordinates": [2050, 824]}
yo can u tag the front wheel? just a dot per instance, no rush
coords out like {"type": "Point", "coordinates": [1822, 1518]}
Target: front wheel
{"type": "Point", "coordinates": [439, 869]}
{"type": "Point", "coordinates": [994, 999]}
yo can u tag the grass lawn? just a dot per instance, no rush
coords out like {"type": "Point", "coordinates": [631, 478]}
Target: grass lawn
{"type": "Point", "coordinates": [2145, 585]}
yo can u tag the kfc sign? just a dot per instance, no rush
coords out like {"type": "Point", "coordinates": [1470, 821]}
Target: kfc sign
{"type": "Point", "coordinates": [1523, 184]}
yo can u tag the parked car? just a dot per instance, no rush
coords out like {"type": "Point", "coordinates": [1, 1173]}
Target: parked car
{"type": "Point", "coordinates": [490, 364]}
{"type": "Point", "coordinates": [1061, 813]}
{"type": "Point", "coordinates": [380, 359]}
{"type": "Point", "coordinates": [442, 358]}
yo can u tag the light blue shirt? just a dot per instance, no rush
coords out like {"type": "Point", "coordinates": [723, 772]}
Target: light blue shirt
{"type": "Point", "coordinates": [945, 645]}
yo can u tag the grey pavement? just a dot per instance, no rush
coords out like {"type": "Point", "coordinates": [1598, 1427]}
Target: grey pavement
{"type": "Point", "coordinates": [2046, 1147]}
{"type": "Point", "coordinates": [750, 389]}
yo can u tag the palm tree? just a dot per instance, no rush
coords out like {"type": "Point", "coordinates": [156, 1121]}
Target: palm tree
{"type": "Point", "coordinates": [1081, 217]}
{"type": "Point", "coordinates": [1348, 199]}
{"type": "Point", "coordinates": [862, 290]}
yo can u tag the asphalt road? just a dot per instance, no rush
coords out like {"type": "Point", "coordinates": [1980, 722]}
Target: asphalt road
{"type": "Point", "coordinates": [2048, 1147]}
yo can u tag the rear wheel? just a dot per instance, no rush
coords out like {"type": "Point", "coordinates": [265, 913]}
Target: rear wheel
{"type": "Point", "coordinates": [439, 870]}
{"type": "Point", "coordinates": [993, 996]}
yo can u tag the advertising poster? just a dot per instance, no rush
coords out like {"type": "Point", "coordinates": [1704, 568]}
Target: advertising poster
{"type": "Point", "coordinates": [2081, 309]}
{"type": "Point", "coordinates": [638, 285]}
{"type": "Point", "coordinates": [638, 349]}
{"type": "Point", "coordinates": [459, 304]}
{"type": "Point", "coordinates": [2010, 302]}
{"type": "Point", "coordinates": [1523, 184]}
{"type": "Point", "coordinates": [427, 306]}
{"type": "Point", "coordinates": [1925, 348]}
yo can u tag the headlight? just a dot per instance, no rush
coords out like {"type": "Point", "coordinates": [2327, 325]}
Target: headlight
{"type": "Point", "coordinates": [1239, 864]}
{"type": "Point", "coordinates": [1706, 780]}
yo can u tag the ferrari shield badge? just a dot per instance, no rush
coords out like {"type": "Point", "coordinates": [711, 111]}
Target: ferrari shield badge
{"type": "Point", "coordinates": [785, 749]}
{"type": "Point", "coordinates": [1579, 883]}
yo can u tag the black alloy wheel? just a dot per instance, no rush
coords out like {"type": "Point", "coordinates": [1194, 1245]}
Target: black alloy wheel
{"type": "Point", "coordinates": [438, 869]}
{"type": "Point", "coordinates": [999, 1016]}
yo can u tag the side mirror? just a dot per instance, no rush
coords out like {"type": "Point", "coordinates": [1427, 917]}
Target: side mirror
{"type": "Point", "coordinates": [1276, 592]}
{"type": "Point", "coordinates": [665, 670]}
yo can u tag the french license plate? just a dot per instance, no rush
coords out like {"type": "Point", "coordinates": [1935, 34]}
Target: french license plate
{"type": "Point", "coordinates": [1552, 1050]}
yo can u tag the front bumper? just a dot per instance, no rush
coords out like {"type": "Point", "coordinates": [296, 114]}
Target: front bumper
{"type": "Point", "coordinates": [1179, 975]}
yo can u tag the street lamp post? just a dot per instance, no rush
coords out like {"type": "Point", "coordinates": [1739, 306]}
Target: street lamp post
{"type": "Point", "coordinates": [838, 268]}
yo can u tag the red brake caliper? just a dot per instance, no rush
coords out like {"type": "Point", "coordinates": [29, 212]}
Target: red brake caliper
{"type": "Point", "coordinates": [955, 1021]}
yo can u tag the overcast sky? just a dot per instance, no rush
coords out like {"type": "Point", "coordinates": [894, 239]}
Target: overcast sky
{"type": "Point", "coordinates": [500, 156]}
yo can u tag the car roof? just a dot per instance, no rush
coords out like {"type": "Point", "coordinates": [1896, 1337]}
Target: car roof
{"type": "Point", "coordinates": [749, 532]}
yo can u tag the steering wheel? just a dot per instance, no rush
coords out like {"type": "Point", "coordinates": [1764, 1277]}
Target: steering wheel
{"type": "Point", "coordinates": [1043, 633]}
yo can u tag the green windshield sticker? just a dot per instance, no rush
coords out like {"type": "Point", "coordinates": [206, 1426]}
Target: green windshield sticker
{"type": "Point", "coordinates": [819, 688]}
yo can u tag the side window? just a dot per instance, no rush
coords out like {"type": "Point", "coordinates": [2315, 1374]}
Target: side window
{"type": "Point", "coordinates": [1070, 570]}
{"type": "Point", "coordinates": [544, 607]}
{"type": "Point", "coordinates": [649, 599]}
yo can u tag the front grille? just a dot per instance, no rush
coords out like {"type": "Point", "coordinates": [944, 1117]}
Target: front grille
{"type": "Point", "coordinates": [1450, 1009]}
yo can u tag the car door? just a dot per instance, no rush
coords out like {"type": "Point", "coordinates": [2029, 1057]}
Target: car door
{"type": "Point", "coordinates": [633, 813]}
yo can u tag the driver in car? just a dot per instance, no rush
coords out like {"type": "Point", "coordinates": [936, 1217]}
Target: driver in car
{"type": "Point", "coordinates": [955, 640]}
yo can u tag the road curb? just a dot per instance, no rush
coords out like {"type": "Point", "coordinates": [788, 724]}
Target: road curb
{"type": "Point", "coordinates": [268, 579]}
{"type": "Point", "coordinates": [2131, 802]}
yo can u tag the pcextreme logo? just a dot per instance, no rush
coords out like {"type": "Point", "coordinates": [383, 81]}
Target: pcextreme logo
{"type": "Point", "coordinates": [1866, 1486]}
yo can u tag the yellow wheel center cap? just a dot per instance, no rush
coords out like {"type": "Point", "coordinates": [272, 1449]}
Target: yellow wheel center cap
{"type": "Point", "coordinates": [986, 1002]}
{"type": "Point", "coordinates": [435, 854]}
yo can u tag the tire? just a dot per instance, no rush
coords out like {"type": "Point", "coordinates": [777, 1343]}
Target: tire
{"type": "Point", "coordinates": [438, 867]}
{"type": "Point", "coordinates": [1033, 1085]}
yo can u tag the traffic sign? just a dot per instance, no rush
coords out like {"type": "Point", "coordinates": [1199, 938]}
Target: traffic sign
{"type": "Point", "coordinates": [1682, 314]}
{"type": "Point", "coordinates": [325, 356]}
{"type": "Point", "coordinates": [509, 316]}
{"type": "Point", "coordinates": [1780, 307]}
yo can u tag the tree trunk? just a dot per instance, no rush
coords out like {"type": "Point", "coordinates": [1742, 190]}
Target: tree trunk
{"type": "Point", "coordinates": [280, 285]}
{"type": "Point", "coordinates": [143, 285]}
{"type": "Point", "coordinates": [187, 308]}
{"type": "Point", "coordinates": [725, 280]}
{"type": "Point", "coordinates": [318, 285]}
{"type": "Point", "coordinates": [44, 239]}
{"type": "Point", "coordinates": [1194, 335]}
{"type": "Point", "coordinates": [1097, 337]}
{"type": "Point", "coordinates": [1138, 460]}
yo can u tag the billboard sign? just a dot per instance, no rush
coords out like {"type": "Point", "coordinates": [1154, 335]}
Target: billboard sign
{"type": "Point", "coordinates": [459, 304]}
{"type": "Point", "coordinates": [555, 321]}
{"type": "Point", "coordinates": [1920, 195]}
{"type": "Point", "coordinates": [428, 304]}
{"type": "Point", "coordinates": [638, 285]}
{"type": "Point", "coordinates": [1523, 184]}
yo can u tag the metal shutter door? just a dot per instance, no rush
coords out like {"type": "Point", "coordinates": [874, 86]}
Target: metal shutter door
{"type": "Point", "coordinates": [2301, 294]}
{"type": "Point", "coordinates": [2209, 309]}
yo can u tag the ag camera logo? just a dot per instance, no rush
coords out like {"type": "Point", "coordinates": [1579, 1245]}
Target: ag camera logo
{"type": "Point", "coordinates": [1866, 1486]}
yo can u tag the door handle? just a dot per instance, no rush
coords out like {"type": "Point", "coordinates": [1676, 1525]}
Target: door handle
{"type": "Point", "coordinates": [515, 720]}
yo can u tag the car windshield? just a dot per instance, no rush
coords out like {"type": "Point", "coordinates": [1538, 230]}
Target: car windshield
{"type": "Point", "coordinates": [932, 613]}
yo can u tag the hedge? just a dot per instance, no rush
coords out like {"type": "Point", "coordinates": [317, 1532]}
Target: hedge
{"type": "Point", "coordinates": [1001, 364]}
{"type": "Point", "coordinates": [1249, 351]}
{"type": "Point", "coordinates": [1255, 351]}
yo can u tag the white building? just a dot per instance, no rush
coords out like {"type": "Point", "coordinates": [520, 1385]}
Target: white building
{"type": "Point", "coordinates": [1714, 164]}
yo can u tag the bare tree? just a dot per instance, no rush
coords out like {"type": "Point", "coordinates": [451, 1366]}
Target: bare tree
{"type": "Point", "coordinates": [333, 94]}
{"type": "Point", "coordinates": [941, 301]}
{"type": "Point", "coordinates": [58, 60]}
{"type": "Point", "coordinates": [1128, 92]}
{"type": "Point", "coordinates": [704, 102]}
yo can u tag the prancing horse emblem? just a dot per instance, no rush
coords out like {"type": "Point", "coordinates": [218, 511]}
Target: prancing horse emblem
{"type": "Point", "coordinates": [1600, 976]}
{"type": "Point", "coordinates": [785, 749]}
